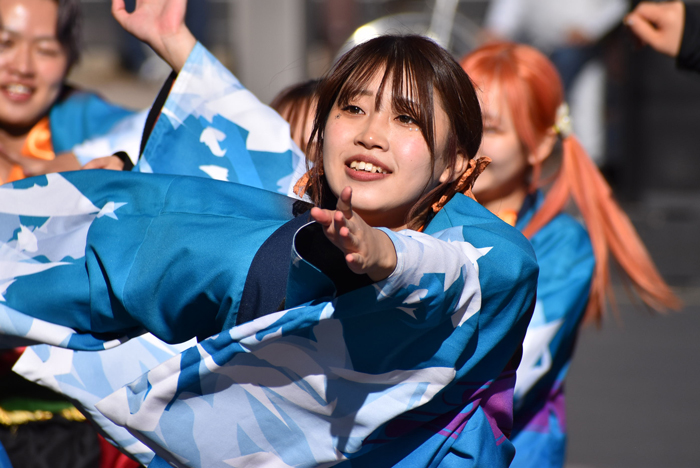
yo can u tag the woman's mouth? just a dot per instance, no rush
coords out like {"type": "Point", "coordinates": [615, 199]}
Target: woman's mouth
{"type": "Point", "coordinates": [17, 92]}
{"type": "Point", "coordinates": [367, 167]}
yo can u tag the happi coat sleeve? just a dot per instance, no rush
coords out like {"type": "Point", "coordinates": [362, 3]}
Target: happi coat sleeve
{"type": "Point", "coordinates": [202, 120]}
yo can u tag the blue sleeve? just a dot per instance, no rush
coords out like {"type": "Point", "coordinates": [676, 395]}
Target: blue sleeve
{"type": "Point", "coordinates": [81, 116]}
{"type": "Point", "coordinates": [111, 253]}
{"type": "Point", "coordinates": [211, 126]}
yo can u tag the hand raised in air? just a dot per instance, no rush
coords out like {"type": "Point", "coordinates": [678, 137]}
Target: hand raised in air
{"type": "Point", "coordinates": [160, 24]}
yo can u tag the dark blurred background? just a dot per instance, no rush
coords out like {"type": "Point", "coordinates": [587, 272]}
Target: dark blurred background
{"type": "Point", "coordinates": [634, 384]}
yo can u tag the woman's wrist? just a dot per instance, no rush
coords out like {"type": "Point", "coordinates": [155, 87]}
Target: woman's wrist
{"type": "Point", "coordinates": [386, 262]}
{"type": "Point", "coordinates": [177, 48]}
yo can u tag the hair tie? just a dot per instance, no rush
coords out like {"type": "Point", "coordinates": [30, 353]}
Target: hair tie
{"type": "Point", "coordinates": [562, 122]}
{"type": "Point", "coordinates": [301, 185]}
{"type": "Point", "coordinates": [465, 183]}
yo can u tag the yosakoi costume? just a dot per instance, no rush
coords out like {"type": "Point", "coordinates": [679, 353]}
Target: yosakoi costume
{"type": "Point", "coordinates": [75, 119]}
{"type": "Point", "coordinates": [565, 256]}
{"type": "Point", "coordinates": [299, 361]}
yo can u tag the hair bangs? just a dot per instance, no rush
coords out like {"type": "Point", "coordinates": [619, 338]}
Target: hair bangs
{"type": "Point", "coordinates": [416, 69]}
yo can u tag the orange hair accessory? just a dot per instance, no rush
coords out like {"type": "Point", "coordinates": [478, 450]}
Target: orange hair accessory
{"type": "Point", "coordinates": [465, 183]}
{"type": "Point", "coordinates": [302, 184]}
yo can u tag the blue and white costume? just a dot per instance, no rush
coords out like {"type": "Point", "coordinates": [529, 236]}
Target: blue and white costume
{"type": "Point", "coordinates": [414, 370]}
{"type": "Point", "coordinates": [565, 256]}
{"type": "Point", "coordinates": [91, 127]}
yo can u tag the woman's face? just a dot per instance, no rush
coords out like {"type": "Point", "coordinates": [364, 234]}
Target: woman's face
{"type": "Point", "coordinates": [382, 155]}
{"type": "Point", "coordinates": [32, 61]}
{"type": "Point", "coordinates": [507, 175]}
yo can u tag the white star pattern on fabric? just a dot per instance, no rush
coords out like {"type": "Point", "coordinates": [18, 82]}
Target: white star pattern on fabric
{"type": "Point", "coordinates": [537, 359]}
{"type": "Point", "coordinates": [109, 209]}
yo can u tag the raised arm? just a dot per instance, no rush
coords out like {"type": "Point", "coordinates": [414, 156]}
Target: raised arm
{"type": "Point", "coordinates": [161, 25]}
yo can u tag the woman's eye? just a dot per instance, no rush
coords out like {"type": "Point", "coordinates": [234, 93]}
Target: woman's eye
{"type": "Point", "coordinates": [49, 52]}
{"type": "Point", "coordinates": [352, 110]}
{"type": "Point", "coordinates": [406, 120]}
{"type": "Point", "coordinates": [5, 43]}
{"type": "Point", "coordinates": [49, 49]}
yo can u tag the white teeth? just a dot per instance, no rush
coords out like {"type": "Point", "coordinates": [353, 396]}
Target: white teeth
{"type": "Point", "coordinates": [367, 167]}
{"type": "Point", "coordinates": [17, 88]}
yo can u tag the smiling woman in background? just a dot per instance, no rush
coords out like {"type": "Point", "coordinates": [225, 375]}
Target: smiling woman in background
{"type": "Point", "coordinates": [42, 118]}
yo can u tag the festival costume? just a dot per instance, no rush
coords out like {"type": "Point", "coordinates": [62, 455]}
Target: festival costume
{"type": "Point", "coordinates": [414, 370]}
{"type": "Point", "coordinates": [75, 119]}
{"type": "Point", "coordinates": [565, 256]}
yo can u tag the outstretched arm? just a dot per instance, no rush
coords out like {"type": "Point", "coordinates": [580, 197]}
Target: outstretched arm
{"type": "Point", "coordinates": [161, 25]}
{"type": "Point", "coordinates": [367, 250]}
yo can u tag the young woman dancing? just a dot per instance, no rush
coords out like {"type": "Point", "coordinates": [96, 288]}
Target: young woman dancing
{"type": "Point", "coordinates": [527, 128]}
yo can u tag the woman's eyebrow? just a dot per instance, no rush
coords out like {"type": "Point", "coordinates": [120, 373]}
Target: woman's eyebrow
{"type": "Point", "coordinates": [13, 33]}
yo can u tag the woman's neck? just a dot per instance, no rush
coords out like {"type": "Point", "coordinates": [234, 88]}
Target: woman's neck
{"type": "Point", "coordinates": [12, 141]}
{"type": "Point", "coordinates": [511, 202]}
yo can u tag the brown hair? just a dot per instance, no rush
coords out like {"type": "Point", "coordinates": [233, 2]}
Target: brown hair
{"type": "Point", "coordinates": [418, 67]}
{"type": "Point", "coordinates": [69, 29]}
{"type": "Point", "coordinates": [293, 104]}
{"type": "Point", "coordinates": [533, 91]}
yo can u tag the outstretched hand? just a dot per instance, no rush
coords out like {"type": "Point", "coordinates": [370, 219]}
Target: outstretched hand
{"type": "Point", "coordinates": [160, 24]}
{"type": "Point", "coordinates": [367, 250]}
{"type": "Point", "coordinates": [659, 24]}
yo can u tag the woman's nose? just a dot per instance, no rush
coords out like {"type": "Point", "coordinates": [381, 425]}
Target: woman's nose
{"type": "Point", "coordinates": [374, 134]}
{"type": "Point", "coordinates": [22, 61]}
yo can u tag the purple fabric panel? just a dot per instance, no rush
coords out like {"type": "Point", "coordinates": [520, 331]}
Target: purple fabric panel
{"type": "Point", "coordinates": [556, 405]}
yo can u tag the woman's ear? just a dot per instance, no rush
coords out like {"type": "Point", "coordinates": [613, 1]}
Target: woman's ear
{"type": "Point", "coordinates": [461, 164]}
{"type": "Point", "coordinates": [544, 149]}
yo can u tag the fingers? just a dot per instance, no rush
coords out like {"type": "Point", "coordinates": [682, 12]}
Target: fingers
{"type": "Point", "coordinates": [119, 11]}
{"type": "Point", "coordinates": [643, 29]}
{"type": "Point", "coordinates": [323, 217]}
{"type": "Point", "coordinates": [659, 24]}
{"type": "Point", "coordinates": [344, 204]}
{"type": "Point", "coordinates": [648, 11]}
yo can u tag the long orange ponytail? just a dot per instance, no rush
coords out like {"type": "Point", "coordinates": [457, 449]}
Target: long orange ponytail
{"type": "Point", "coordinates": [534, 108]}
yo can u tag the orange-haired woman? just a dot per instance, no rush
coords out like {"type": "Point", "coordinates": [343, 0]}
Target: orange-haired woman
{"type": "Point", "coordinates": [527, 128]}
